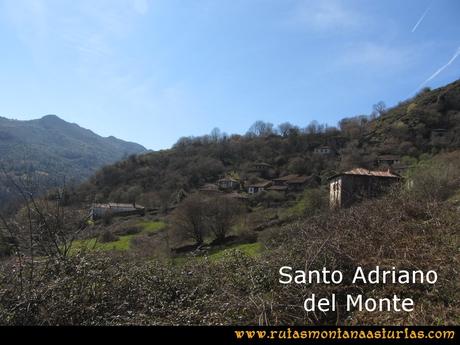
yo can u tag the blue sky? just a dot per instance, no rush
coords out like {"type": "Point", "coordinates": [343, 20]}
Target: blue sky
{"type": "Point", "coordinates": [153, 71]}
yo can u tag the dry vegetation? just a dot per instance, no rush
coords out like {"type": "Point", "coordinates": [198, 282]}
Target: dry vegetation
{"type": "Point", "coordinates": [46, 280]}
{"type": "Point", "coordinates": [400, 230]}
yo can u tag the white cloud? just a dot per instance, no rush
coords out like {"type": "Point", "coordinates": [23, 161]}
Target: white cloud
{"type": "Point", "coordinates": [326, 15]}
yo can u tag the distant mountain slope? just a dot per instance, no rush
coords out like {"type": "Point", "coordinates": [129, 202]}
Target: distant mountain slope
{"type": "Point", "coordinates": [51, 149]}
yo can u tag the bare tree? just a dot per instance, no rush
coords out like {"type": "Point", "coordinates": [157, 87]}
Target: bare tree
{"type": "Point", "coordinates": [42, 225]}
{"type": "Point", "coordinates": [216, 135]}
{"type": "Point", "coordinates": [222, 213]}
{"type": "Point", "coordinates": [261, 129]}
{"type": "Point", "coordinates": [314, 128]}
{"type": "Point", "coordinates": [189, 218]}
{"type": "Point", "coordinates": [379, 109]}
{"type": "Point", "coordinates": [286, 128]}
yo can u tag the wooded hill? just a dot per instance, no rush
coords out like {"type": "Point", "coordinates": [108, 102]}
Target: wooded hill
{"type": "Point", "coordinates": [425, 124]}
{"type": "Point", "coordinates": [130, 270]}
{"type": "Point", "coordinates": [47, 150]}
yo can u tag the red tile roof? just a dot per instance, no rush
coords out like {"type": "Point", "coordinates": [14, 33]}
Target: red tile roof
{"type": "Point", "coordinates": [366, 172]}
{"type": "Point", "coordinates": [228, 179]}
{"type": "Point", "coordinates": [209, 188]}
{"type": "Point", "coordinates": [112, 205]}
{"type": "Point", "coordinates": [262, 184]}
{"type": "Point", "coordinates": [292, 179]}
{"type": "Point", "coordinates": [277, 188]}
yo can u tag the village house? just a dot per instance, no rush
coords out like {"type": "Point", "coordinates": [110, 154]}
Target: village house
{"type": "Point", "coordinates": [277, 188]}
{"type": "Point", "coordinates": [259, 187]}
{"type": "Point", "coordinates": [294, 183]}
{"type": "Point", "coordinates": [260, 167]}
{"type": "Point", "coordinates": [228, 184]}
{"type": "Point", "coordinates": [113, 209]}
{"type": "Point", "coordinates": [323, 150]}
{"type": "Point", "coordinates": [399, 168]}
{"type": "Point", "coordinates": [391, 162]}
{"type": "Point", "coordinates": [388, 160]}
{"type": "Point", "coordinates": [209, 188]}
{"type": "Point", "coordinates": [357, 184]}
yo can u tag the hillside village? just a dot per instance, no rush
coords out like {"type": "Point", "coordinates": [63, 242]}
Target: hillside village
{"type": "Point", "coordinates": [208, 223]}
{"type": "Point", "coordinates": [305, 158]}
{"type": "Point", "coordinates": [270, 177]}
{"type": "Point", "coordinates": [342, 190]}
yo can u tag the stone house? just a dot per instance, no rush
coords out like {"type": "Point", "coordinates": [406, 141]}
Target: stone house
{"type": "Point", "coordinates": [228, 184]}
{"type": "Point", "coordinates": [294, 183]}
{"type": "Point", "coordinates": [323, 150]}
{"type": "Point", "coordinates": [98, 211]}
{"type": "Point", "coordinates": [357, 184]}
{"type": "Point", "coordinates": [259, 187]}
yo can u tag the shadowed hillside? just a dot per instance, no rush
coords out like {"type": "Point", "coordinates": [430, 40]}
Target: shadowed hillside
{"type": "Point", "coordinates": [50, 150]}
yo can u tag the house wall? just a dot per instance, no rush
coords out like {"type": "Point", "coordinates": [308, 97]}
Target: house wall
{"type": "Point", "coordinates": [335, 192]}
{"type": "Point", "coordinates": [255, 190]}
{"type": "Point", "coordinates": [229, 185]}
{"type": "Point", "coordinates": [322, 151]}
{"type": "Point", "coordinates": [348, 189]}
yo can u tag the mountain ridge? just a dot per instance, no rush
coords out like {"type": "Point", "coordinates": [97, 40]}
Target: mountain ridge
{"type": "Point", "coordinates": [56, 150]}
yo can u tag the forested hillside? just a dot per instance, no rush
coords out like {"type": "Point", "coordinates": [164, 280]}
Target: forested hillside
{"type": "Point", "coordinates": [426, 124]}
{"type": "Point", "coordinates": [215, 258]}
{"type": "Point", "coordinates": [43, 153]}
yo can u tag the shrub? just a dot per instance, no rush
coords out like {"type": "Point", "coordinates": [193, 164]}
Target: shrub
{"type": "Point", "coordinates": [108, 236]}
{"type": "Point", "coordinates": [98, 289]}
{"type": "Point", "coordinates": [311, 202]}
{"type": "Point", "coordinates": [130, 230]}
{"type": "Point", "coordinates": [436, 179]}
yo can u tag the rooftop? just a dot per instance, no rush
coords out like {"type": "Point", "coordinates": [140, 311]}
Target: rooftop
{"type": "Point", "coordinates": [209, 187]}
{"type": "Point", "coordinates": [292, 179]}
{"type": "Point", "coordinates": [116, 205]}
{"type": "Point", "coordinates": [366, 172]}
{"type": "Point", "coordinates": [277, 188]}
{"type": "Point", "coordinates": [262, 184]}
{"type": "Point", "coordinates": [228, 179]}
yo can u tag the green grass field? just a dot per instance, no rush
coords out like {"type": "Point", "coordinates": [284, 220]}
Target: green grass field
{"type": "Point", "coordinates": [150, 226]}
{"type": "Point", "coordinates": [250, 249]}
{"type": "Point", "coordinates": [123, 243]}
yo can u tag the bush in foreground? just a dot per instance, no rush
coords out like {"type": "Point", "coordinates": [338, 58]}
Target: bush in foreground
{"type": "Point", "coordinates": [97, 289]}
